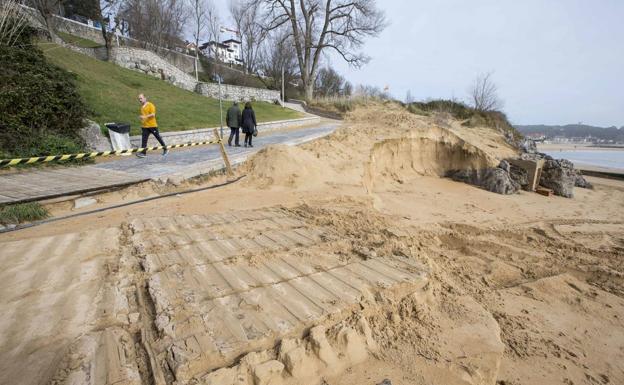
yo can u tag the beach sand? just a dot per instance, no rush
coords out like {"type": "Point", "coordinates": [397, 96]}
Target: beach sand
{"type": "Point", "coordinates": [491, 289]}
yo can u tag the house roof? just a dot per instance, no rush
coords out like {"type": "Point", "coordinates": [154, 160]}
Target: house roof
{"type": "Point", "coordinates": [231, 41]}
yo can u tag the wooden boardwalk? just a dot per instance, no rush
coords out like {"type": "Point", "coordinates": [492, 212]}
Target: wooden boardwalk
{"type": "Point", "coordinates": [49, 183]}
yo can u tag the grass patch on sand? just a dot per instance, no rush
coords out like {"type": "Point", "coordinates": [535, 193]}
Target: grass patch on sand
{"type": "Point", "coordinates": [467, 115]}
{"type": "Point", "coordinates": [111, 93]}
{"type": "Point", "coordinates": [22, 212]}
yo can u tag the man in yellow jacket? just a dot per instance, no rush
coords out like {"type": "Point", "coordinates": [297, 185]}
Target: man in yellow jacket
{"type": "Point", "coordinates": [149, 126]}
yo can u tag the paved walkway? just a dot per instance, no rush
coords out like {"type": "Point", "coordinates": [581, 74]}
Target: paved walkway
{"type": "Point", "coordinates": [180, 164]}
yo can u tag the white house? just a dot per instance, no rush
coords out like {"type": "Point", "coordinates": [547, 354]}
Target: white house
{"type": "Point", "coordinates": [228, 51]}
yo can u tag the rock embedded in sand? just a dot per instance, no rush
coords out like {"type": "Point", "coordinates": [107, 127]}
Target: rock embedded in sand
{"type": "Point", "coordinates": [560, 176]}
{"type": "Point", "coordinates": [580, 181]}
{"type": "Point", "coordinates": [495, 180]}
{"type": "Point", "coordinates": [519, 175]}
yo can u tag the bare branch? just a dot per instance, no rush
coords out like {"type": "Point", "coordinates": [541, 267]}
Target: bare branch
{"type": "Point", "coordinates": [484, 94]}
{"type": "Point", "coordinates": [12, 22]}
{"type": "Point", "coordinates": [320, 25]}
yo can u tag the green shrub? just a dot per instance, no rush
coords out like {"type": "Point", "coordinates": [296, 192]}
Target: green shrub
{"type": "Point", "coordinates": [22, 212]}
{"type": "Point", "coordinates": [40, 108]}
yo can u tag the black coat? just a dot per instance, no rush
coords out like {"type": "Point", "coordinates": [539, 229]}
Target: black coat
{"type": "Point", "coordinates": [249, 121]}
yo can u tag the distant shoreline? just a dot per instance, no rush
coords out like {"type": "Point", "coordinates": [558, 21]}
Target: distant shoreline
{"type": "Point", "coordinates": [553, 148]}
{"type": "Point", "coordinates": [542, 147]}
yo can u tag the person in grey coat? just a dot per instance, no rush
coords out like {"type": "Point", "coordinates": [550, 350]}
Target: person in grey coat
{"type": "Point", "coordinates": [233, 120]}
{"type": "Point", "coordinates": [249, 123]}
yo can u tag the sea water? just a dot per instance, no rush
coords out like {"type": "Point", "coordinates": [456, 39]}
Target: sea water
{"type": "Point", "coordinates": [606, 158]}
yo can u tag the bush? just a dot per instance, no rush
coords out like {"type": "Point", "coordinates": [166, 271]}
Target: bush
{"type": "Point", "coordinates": [41, 111]}
{"type": "Point", "coordinates": [458, 110]}
{"type": "Point", "coordinates": [469, 116]}
{"type": "Point", "coordinates": [22, 212]}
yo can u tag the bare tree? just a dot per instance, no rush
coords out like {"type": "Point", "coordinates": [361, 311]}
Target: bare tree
{"type": "Point", "coordinates": [347, 90]}
{"type": "Point", "coordinates": [158, 23]}
{"type": "Point", "coordinates": [46, 10]}
{"type": "Point", "coordinates": [484, 94]}
{"type": "Point", "coordinates": [203, 12]}
{"type": "Point", "coordinates": [246, 14]}
{"type": "Point", "coordinates": [278, 59]}
{"type": "Point", "coordinates": [409, 99]}
{"type": "Point", "coordinates": [329, 83]}
{"type": "Point", "coordinates": [373, 92]}
{"type": "Point", "coordinates": [12, 22]}
{"type": "Point", "coordinates": [107, 16]}
{"type": "Point", "coordinates": [319, 25]}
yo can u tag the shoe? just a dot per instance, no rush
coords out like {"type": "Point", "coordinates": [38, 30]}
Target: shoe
{"type": "Point", "coordinates": [140, 155]}
{"type": "Point", "coordinates": [238, 145]}
{"type": "Point", "coordinates": [251, 145]}
{"type": "Point", "coordinates": [165, 152]}
{"type": "Point", "coordinates": [245, 145]}
{"type": "Point", "coordinates": [229, 144]}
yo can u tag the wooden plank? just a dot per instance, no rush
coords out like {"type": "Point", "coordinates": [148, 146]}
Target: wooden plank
{"type": "Point", "coordinates": [544, 191]}
{"type": "Point", "coordinates": [228, 167]}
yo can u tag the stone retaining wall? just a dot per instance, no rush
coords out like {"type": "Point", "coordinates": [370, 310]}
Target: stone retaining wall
{"type": "Point", "coordinates": [204, 134]}
{"type": "Point", "coordinates": [78, 29]}
{"type": "Point", "coordinates": [230, 92]}
{"type": "Point", "coordinates": [152, 64]}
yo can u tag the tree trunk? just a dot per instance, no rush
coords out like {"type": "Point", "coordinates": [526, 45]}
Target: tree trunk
{"type": "Point", "coordinates": [107, 41]}
{"type": "Point", "coordinates": [309, 90]}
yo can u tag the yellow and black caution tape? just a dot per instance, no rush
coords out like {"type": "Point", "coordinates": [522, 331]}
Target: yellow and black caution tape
{"type": "Point", "coordinates": [87, 155]}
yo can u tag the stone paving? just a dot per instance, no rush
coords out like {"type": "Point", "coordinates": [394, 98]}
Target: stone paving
{"type": "Point", "coordinates": [199, 160]}
{"type": "Point", "coordinates": [32, 185]}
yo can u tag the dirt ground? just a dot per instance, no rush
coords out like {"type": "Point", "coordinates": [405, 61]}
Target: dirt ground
{"type": "Point", "coordinates": [348, 260]}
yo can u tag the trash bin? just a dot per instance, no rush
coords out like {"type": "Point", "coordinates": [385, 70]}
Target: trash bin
{"type": "Point", "coordinates": [120, 128]}
{"type": "Point", "coordinates": [119, 134]}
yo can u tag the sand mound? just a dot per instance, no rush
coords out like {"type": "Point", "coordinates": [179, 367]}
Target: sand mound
{"type": "Point", "coordinates": [286, 166]}
{"type": "Point", "coordinates": [375, 146]}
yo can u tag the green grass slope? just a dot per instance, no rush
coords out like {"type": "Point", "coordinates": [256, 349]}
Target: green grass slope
{"type": "Point", "coordinates": [111, 93]}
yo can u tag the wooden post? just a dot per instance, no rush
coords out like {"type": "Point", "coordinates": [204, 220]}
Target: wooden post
{"type": "Point", "coordinates": [228, 167]}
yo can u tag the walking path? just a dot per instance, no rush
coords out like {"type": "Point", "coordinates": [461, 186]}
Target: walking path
{"type": "Point", "coordinates": [32, 185]}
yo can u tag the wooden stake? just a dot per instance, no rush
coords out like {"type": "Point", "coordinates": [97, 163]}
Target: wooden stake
{"type": "Point", "coordinates": [228, 167]}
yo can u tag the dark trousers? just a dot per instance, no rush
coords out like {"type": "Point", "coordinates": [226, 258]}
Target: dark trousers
{"type": "Point", "coordinates": [234, 131]}
{"type": "Point", "coordinates": [145, 133]}
{"type": "Point", "coordinates": [248, 138]}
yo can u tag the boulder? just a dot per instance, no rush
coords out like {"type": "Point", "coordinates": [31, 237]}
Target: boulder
{"type": "Point", "coordinates": [528, 146]}
{"type": "Point", "coordinates": [504, 165]}
{"type": "Point", "coordinates": [499, 181]}
{"type": "Point", "coordinates": [496, 180]}
{"type": "Point", "coordinates": [519, 175]}
{"type": "Point", "coordinates": [535, 157]}
{"type": "Point", "coordinates": [580, 181]}
{"type": "Point", "coordinates": [560, 176]}
{"type": "Point", "coordinates": [93, 137]}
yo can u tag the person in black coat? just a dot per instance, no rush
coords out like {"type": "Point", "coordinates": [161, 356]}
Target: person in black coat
{"type": "Point", "coordinates": [249, 123]}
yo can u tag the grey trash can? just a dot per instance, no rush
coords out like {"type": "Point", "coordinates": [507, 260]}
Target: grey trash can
{"type": "Point", "coordinates": [119, 134]}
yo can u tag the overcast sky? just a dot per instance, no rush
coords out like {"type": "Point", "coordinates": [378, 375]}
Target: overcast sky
{"type": "Point", "coordinates": [554, 61]}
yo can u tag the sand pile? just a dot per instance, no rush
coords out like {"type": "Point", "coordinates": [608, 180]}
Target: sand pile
{"type": "Point", "coordinates": [286, 166]}
{"type": "Point", "coordinates": [378, 145]}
